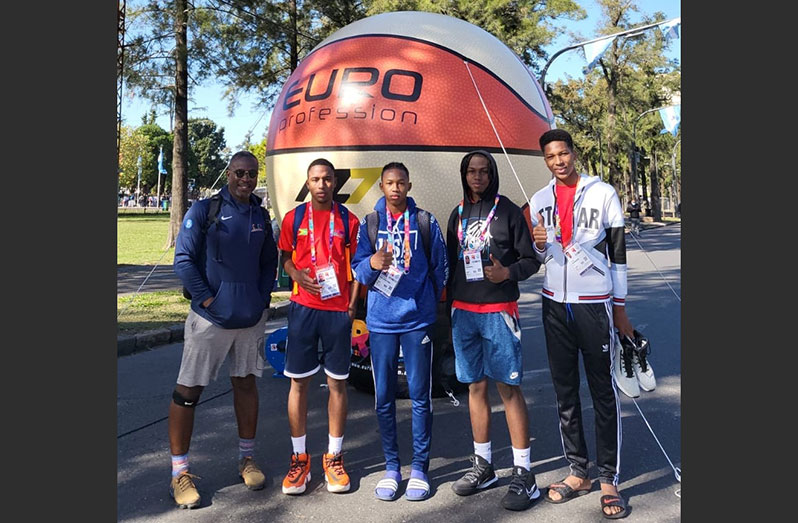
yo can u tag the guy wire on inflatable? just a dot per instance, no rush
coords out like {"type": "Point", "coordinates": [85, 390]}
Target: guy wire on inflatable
{"type": "Point", "coordinates": [418, 88]}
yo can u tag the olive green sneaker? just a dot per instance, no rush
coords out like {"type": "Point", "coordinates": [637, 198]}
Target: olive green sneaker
{"type": "Point", "coordinates": [254, 479]}
{"type": "Point", "coordinates": [183, 491]}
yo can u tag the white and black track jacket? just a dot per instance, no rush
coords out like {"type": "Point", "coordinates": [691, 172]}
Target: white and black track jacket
{"type": "Point", "coordinates": [599, 229]}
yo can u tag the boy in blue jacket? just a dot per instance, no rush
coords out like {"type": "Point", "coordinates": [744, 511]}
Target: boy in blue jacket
{"type": "Point", "coordinates": [404, 288]}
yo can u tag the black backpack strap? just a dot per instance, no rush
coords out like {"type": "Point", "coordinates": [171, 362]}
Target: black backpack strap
{"type": "Point", "coordinates": [423, 219]}
{"type": "Point", "coordinates": [372, 224]}
{"type": "Point", "coordinates": [213, 217]}
{"type": "Point", "coordinates": [213, 212]}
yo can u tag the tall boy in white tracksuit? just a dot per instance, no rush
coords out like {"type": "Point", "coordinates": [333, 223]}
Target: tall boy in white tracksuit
{"type": "Point", "coordinates": [578, 233]}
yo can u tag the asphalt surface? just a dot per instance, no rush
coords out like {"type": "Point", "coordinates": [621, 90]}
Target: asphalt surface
{"type": "Point", "coordinates": [145, 382]}
{"type": "Point", "coordinates": [146, 278]}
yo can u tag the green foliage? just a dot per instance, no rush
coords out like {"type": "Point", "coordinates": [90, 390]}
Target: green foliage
{"type": "Point", "coordinates": [206, 150]}
{"type": "Point", "coordinates": [632, 76]}
{"type": "Point", "coordinates": [259, 150]}
{"type": "Point", "coordinates": [144, 141]}
{"type": "Point", "coordinates": [525, 26]}
{"type": "Point", "coordinates": [150, 58]}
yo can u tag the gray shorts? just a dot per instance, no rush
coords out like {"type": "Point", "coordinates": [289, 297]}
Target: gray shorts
{"type": "Point", "coordinates": [206, 346]}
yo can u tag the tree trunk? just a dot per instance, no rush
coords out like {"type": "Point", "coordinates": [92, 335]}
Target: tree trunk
{"type": "Point", "coordinates": [180, 130]}
{"type": "Point", "coordinates": [642, 167]}
{"type": "Point", "coordinates": [293, 37]}
{"type": "Point", "coordinates": [656, 204]}
{"type": "Point", "coordinates": [612, 162]}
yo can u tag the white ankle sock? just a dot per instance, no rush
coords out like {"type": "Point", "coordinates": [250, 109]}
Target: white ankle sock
{"type": "Point", "coordinates": [521, 458]}
{"type": "Point", "coordinates": [335, 444]}
{"type": "Point", "coordinates": [298, 444]}
{"type": "Point", "coordinates": [483, 450]}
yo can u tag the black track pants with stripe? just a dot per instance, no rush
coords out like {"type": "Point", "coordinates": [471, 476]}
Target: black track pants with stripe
{"type": "Point", "coordinates": [586, 327]}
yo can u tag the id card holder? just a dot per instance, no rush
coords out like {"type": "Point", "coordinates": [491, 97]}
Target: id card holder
{"type": "Point", "coordinates": [328, 280]}
{"type": "Point", "coordinates": [472, 259]}
{"type": "Point", "coordinates": [388, 280]}
{"type": "Point", "coordinates": [578, 257]}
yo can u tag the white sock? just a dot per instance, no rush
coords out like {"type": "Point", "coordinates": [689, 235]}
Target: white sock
{"type": "Point", "coordinates": [521, 458]}
{"type": "Point", "coordinates": [335, 445]}
{"type": "Point", "coordinates": [483, 450]}
{"type": "Point", "coordinates": [298, 444]}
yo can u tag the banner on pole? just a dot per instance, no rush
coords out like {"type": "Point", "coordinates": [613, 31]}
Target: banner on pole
{"type": "Point", "coordinates": [593, 52]}
{"type": "Point", "coordinates": [671, 118]}
{"type": "Point", "coordinates": [670, 29]}
{"type": "Point", "coordinates": [161, 168]}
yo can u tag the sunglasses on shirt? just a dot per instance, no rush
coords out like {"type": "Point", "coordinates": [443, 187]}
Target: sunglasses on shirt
{"type": "Point", "coordinates": [252, 173]}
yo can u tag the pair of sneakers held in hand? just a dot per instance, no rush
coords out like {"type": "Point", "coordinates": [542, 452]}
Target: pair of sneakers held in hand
{"type": "Point", "coordinates": [631, 369]}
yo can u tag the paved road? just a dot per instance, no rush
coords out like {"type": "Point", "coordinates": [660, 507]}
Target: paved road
{"type": "Point", "coordinates": [146, 380]}
{"type": "Point", "coordinates": [130, 277]}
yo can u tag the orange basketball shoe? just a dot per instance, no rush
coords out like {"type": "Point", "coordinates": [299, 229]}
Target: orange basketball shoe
{"type": "Point", "coordinates": [334, 474]}
{"type": "Point", "coordinates": [298, 477]}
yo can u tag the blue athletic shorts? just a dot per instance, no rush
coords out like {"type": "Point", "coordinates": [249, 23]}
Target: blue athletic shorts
{"type": "Point", "coordinates": [306, 326]}
{"type": "Point", "coordinates": [486, 344]}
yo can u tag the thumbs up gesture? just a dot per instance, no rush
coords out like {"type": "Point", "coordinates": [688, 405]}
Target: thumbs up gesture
{"type": "Point", "coordinates": [539, 235]}
{"type": "Point", "coordinates": [383, 258]}
{"type": "Point", "coordinates": [497, 272]}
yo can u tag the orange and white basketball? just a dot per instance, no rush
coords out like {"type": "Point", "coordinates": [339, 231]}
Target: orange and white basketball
{"type": "Point", "coordinates": [411, 87]}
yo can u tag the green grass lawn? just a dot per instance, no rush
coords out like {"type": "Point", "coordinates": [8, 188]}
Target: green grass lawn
{"type": "Point", "coordinates": [150, 311]}
{"type": "Point", "coordinates": [157, 310]}
{"type": "Point", "coordinates": [141, 238]}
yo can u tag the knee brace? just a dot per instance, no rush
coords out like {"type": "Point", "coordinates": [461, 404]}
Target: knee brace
{"type": "Point", "coordinates": [179, 399]}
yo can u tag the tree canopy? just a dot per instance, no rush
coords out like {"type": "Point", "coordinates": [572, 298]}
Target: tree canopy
{"type": "Point", "coordinates": [206, 151]}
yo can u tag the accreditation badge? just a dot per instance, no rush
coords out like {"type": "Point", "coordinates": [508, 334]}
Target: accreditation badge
{"type": "Point", "coordinates": [472, 259]}
{"type": "Point", "coordinates": [578, 257]}
{"type": "Point", "coordinates": [388, 280]}
{"type": "Point", "coordinates": [328, 280]}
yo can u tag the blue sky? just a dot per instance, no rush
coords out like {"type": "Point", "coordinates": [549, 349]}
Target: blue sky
{"type": "Point", "coordinates": [207, 100]}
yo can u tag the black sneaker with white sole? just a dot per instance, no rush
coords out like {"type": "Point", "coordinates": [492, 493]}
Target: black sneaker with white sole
{"type": "Point", "coordinates": [523, 490]}
{"type": "Point", "coordinates": [479, 477]}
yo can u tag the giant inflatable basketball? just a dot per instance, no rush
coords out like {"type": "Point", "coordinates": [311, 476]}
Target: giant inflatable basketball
{"type": "Point", "coordinates": [406, 86]}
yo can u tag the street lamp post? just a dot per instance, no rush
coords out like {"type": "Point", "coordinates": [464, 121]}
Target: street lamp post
{"type": "Point", "coordinates": [629, 32]}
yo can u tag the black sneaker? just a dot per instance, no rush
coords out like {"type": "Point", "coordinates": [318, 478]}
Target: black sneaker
{"type": "Point", "coordinates": [479, 477]}
{"type": "Point", "coordinates": [522, 491]}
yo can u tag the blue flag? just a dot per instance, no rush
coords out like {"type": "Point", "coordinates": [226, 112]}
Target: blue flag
{"type": "Point", "coordinates": [161, 168]}
{"type": "Point", "coordinates": [593, 52]}
{"type": "Point", "coordinates": [671, 118]}
{"type": "Point", "coordinates": [670, 29]}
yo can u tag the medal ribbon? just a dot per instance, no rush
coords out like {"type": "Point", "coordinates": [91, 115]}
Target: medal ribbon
{"type": "Point", "coordinates": [406, 243]}
{"type": "Point", "coordinates": [484, 230]}
{"type": "Point", "coordinates": [312, 234]}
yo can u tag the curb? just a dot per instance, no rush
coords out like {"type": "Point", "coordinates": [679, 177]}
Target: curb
{"type": "Point", "coordinates": [127, 344]}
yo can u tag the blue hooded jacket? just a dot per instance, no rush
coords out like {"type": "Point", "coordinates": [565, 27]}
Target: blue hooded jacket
{"type": "Point", "coordinates": [413, 303]}
{"type": "Point", "coordinates": [235, 262]}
